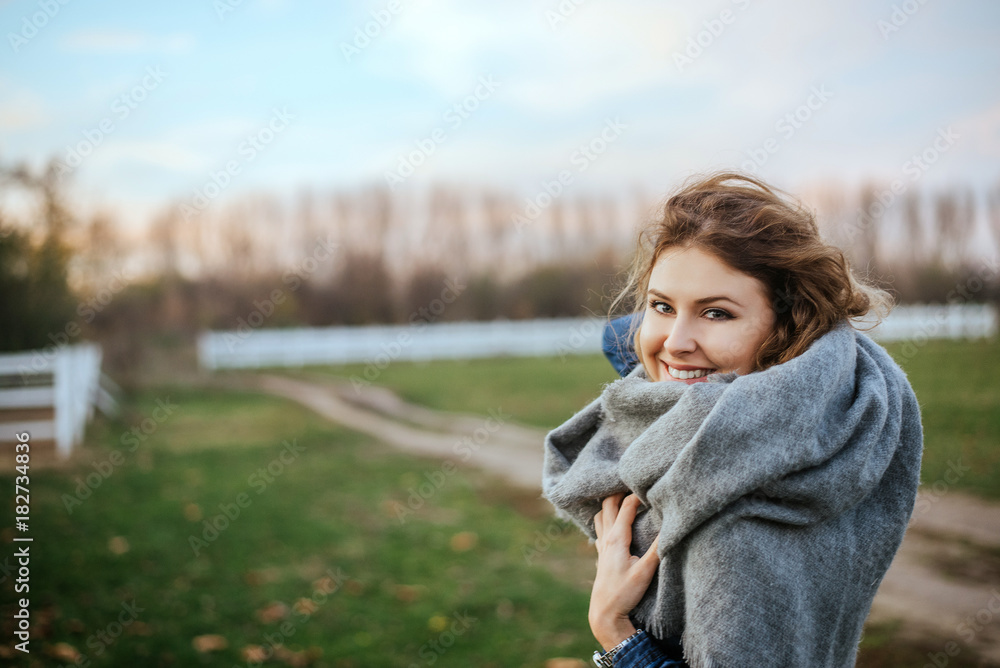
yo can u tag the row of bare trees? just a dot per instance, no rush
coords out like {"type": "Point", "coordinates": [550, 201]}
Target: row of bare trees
{"type": "Point", "coordinates": [324, 258]}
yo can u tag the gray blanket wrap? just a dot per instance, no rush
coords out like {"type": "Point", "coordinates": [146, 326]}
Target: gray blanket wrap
{"type": "Point", "coordinates": [780, 497]}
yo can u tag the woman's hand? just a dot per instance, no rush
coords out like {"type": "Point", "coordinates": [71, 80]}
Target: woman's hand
{"type": "Point", "coordinates": [621, 578]}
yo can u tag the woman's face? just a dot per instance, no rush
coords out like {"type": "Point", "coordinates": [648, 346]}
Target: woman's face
{"type": "Point", "coordinates": [701, 317]}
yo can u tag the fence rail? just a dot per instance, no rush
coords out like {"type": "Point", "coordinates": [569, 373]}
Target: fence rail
{"type": "Point", "coordinates": [66, 382]}
{"type": "Point", "coordinates": [382, 344]}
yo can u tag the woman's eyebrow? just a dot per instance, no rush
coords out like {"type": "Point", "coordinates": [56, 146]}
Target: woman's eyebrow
{"type": "Point", "coordinates": [703, 300]}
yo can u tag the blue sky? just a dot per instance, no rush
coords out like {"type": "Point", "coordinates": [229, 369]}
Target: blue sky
{"type": "Point", "coordinates": [227, 67]}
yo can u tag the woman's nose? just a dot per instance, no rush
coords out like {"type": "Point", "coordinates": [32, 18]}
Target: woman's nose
{"type": "Point", "coordinates": [681, 339]}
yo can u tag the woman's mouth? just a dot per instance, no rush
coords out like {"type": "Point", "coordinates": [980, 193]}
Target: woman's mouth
{"type": "Point", "coordinates": [689, 375]}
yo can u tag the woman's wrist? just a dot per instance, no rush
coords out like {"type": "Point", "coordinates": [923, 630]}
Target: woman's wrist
{"type": "Point", "coordinates": [610, 632]}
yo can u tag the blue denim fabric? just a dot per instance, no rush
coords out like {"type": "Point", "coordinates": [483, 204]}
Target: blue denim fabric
{"type": "Point", "coordinates": [617, 344]}
{"type": "Point", "coordinates": [646, 652]}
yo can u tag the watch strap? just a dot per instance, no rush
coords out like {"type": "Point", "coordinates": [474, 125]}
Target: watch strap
{"type": "Point", "coordinates": [606, 659]}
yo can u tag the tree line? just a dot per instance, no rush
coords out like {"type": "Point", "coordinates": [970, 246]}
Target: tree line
{"type": "Point", "coordinates": [373, 256]}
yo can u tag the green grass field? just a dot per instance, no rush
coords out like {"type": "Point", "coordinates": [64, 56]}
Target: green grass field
{"type": "Point", "coordinates": [456, 582]}
{"type": "Point", "coordinates": [321, 567]}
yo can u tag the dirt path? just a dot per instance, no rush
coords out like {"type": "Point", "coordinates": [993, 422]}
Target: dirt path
{"type": "Point", "coordinates": [944, 583]}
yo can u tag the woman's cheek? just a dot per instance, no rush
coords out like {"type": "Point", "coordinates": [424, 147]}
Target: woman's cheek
{"type": "Point", "coordinates": [648, 346]}
{"type": "Point", "coordinates": [727, 352]}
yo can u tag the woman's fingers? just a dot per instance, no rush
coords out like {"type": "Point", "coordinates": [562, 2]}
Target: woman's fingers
{"type": "Point", "coordinates": [625, 515]}
{"type": "Point", "coordinates": [650, 561]}
{"type": "Point", "coordinates": [628, 509]}
{"type": "Point", "coordinates": [616, 515]}
{"type": "Point", "coordinates": [607, 514]}
{"type": "Point", "coordinates": [651, 553]}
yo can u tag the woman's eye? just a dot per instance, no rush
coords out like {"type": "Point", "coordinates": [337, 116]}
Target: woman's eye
{"type": "Point", "coordinates": [718, 314]}
{"type": "Point", "coordinates": [662, 307]}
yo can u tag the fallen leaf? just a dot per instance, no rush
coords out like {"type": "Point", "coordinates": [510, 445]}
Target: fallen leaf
{"type": "Point", "coordinates": [409, 593]}
{"type": "Point", "coordinates": [273, 612]}
{"type": "Point", "coordinates": [254, 654]}
{"type": "Point", "coordinates": [209, 643]}
{"type": "Point", "coordinates": [464, 541]}
{"type": "Point", "coordinates": [118, 545]}
{"type": "Point", "coordinates": [292, 658]}
{"type": "Point", "coordinates": [305, 606]}
{"type": "Point", "coordinates": [192, 512]}
{"type": "Point", "coordinates": [63, 651]}
{"type": "Point", "coordinates": [138, 628]}
{"type": "Point", "coordinates": [560, 662]}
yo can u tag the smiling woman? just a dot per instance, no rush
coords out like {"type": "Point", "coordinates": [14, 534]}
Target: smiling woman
{"type": "Point", "coordinates": [748, 483]}
{"type": "Point", "coordinates": [702, 317]}
{"type": "Point", "coordinates": [719, 239]}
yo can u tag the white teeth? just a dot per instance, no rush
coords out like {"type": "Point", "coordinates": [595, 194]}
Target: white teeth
{"type": "Point", "coordinates": [687, 375]}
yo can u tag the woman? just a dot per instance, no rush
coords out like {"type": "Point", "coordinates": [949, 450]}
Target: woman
{"type": "Point", "coordinates": [750, 480]}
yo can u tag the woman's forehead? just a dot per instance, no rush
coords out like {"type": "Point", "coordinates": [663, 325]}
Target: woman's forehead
{"type": "Point", "coordinates": [692, 273]}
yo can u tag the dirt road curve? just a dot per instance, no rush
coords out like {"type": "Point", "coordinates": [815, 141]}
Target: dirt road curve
{"type": "Point", "coordinates": [944, 582]}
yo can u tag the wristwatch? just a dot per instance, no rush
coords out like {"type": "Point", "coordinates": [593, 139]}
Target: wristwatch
{"type": "Point", "coordinates": [606, 660]}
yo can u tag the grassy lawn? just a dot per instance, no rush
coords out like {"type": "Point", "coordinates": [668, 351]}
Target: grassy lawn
{"type": "Point", "coordinates": [320, 545]}
{"type": "Point", "coordinates": [139, 562]}
{"type": "Point", "coordinates": [956, 383]}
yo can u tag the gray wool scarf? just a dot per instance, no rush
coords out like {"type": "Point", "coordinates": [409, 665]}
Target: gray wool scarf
{"type": "Point", "coordinates": [780, 496]}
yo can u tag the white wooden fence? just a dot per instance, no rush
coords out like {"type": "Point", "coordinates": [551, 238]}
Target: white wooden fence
{"type": "Point", "coordinates": [381, 344]}
{"type": "Point", "coordinates": [65, 379]}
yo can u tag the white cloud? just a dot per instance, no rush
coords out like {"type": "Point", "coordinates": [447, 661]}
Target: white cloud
{"type": "Point", "coordinates": [167, 155]}
{"type": "Point", "coordinates": [598, 52]}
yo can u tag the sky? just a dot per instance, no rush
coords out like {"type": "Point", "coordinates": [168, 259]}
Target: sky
{"type": "Point", "coordinates": [147, 104]}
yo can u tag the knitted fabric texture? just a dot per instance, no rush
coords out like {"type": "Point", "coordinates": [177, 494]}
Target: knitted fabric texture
{"type": "Point", "coordinates": [780, 496]}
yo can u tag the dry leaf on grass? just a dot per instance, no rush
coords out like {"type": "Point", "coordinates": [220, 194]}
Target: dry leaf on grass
{"type": "Point", "coordinates": [211, 642]}
{"type": "Point", "coordinates": [63, 651]}
{"type": "Point", "coordinates": [272, 612]}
